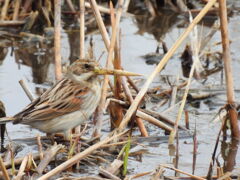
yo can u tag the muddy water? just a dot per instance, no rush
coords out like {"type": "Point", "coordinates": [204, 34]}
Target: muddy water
{"type": "Point", "coordinates": [141, 35]}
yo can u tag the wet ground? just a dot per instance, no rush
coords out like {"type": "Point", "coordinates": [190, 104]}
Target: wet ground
{"type": "Point", "coordinates": [141, 35]}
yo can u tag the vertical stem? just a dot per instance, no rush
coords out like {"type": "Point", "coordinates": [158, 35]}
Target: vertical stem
{"type": "Point", "coordinates": [16, 9]}
{"type": "Point", "coordinates": [159, 67]}
{"type": "Point", "coordinates": [4, 9]}
{"type": "Point", "coordinates": [228, 69]}
{"type": "Point", "coordinates": [115, 29]}
{"type": "Point", "coordinates": [4, 170]}
{"type": "Point", "coordinates": [82, 28]}
{"type": "Point", "coordinates": [71, 6]}
{"type": "Point", "coordinates": [57, 38]}
{"type": "Point", "coordinates": [101, 25]}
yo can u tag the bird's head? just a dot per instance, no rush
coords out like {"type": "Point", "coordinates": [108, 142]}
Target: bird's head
{"type": "Point", "coordinates": [84, 70]}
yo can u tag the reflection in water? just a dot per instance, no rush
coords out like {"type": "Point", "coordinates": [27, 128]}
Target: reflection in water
{"type": "Point", "coordinates": [158, 26]}
{"type": "Point", "coordinates": [229, 152]}
{"type": "Point", "coordinates": [37, 56]}
{"type": "Point", "coordinates": [3, 53]}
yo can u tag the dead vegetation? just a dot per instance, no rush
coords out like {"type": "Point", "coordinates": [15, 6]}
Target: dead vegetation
{"type": "Point", "coordinates": [39, 24]}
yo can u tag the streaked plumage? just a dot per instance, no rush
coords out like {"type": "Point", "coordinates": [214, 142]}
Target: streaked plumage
{"type": "Point", "coordinates": [68, 103]}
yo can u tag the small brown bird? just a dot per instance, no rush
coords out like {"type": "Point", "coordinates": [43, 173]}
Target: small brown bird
{"type": "Point", "coordinates": [70, 102]}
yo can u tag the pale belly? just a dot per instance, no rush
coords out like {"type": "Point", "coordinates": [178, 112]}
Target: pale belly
{"type": "Point", "coordinates": [71, 120]}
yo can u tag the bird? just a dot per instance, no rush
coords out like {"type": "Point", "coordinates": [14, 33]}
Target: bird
{"type": "Point", "coordinates": [68, 103]}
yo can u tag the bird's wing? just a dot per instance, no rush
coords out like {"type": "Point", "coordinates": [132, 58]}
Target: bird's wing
{"type": "Point", "coordinates": [63, 98]}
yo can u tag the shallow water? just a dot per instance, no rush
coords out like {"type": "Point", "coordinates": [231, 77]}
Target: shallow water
{"type": "Point", "coordinates": [140, 36]}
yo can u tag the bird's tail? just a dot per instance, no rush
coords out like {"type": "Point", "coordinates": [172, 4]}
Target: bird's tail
{"type": "Point", "coordinates": [5, 120]}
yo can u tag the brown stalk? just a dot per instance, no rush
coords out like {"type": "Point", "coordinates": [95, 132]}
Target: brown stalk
{"type": "Point", "coordinates": [4, 9]}
{"type": "Point", "coordinates": [26, 6]}
{"type": "Point", "coordinates": [22, 168]}
{"type": "Point", "coordinates": [57, 39]}
{"type": "Point", "coordinates": [82, 28]}
{"type": "Point", "coordinates": [99, 111]}
{"type": "Point", "coordinates": [4, 170]}
{"type": "Point", "coordinates": [186, 119]}
{"type": "Point", "coordinates": [146, 117]}
{"type": "Point", "coordinates": [101, 25]}
{"type": "Point", "coordinates": [162, 63]}
{"type": "Point", "coordinates": [79, 156]}
{"type": "Point", "coordinates": [153, 121]}
{"type": "Point", "coordinates": [161, 117]}
{"type": "Point", "coordinates": [116, 109]}
{"type": "Point", "coordinates": [130, 81]}
{"type": "Point", "coordinates": [17, 4]}
{"type": "Point", "coordinates": [139, 122]}
{"type": "Point", "coordinates": [82, 38]}
{"type": "Point", "coordinates": [228, 69]}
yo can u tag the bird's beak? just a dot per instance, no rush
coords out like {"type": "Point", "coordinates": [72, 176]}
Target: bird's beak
{"type": "Point", "coordinates": [102, 71]}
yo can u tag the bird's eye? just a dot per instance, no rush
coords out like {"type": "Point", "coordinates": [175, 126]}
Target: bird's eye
{"type": "Point", "coordinates": [87, 66]}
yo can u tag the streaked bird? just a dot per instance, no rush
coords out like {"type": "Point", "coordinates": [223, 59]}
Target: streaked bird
{"type": "Point", "coordinates": [70, 102]}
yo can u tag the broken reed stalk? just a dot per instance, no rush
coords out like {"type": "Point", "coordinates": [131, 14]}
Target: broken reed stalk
{"type": "Point", "coordinates": [130, 81]}
{"type": "Point", "coordinates": [79, 156]}
{"type": "Point", "coordinates": [174, 92]}
{"type": "Point", "coordinates": [26, 90]}
{"type": "Point", "coordinates": [99, 111]}
{"type": "Point", "coordinates": [128, 94]}
{"type": "Point", "coordinates": [4, 170]}
{"type": "Point", "coordinates": [182, 172]}
{"type": "Point", "coordinates": [100, 23]}
{"type": "Point", "coordinates": [39, 146]}
{"type": "Point", "coordinates": [146, 117]}
{"type": "Point", "coordinates": [17, 4]}
{"type": "Point", "coordinates": [4, 9]}
{"type": "Point", "coordinates": [22, 168]}
{"type": "Point", "coordinates": [82, 28]}
{"type": "Point", "coordinates": [228, 70]}
{"type": "Point", "coordinates": [57, 39]}
{"type": "Point", "coordinates": [116, 109]}
{"type": "Point", "coordinates": [162, 63]}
